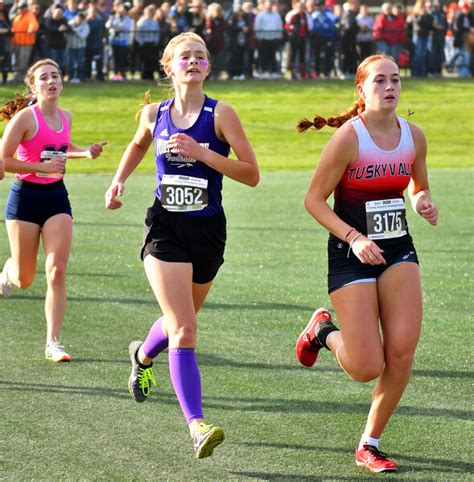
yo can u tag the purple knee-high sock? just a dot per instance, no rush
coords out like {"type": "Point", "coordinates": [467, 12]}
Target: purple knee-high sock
{"type": "Point", "coordinates": [186, 380]}
{"type": "Point", "coordinates": [156, 341]}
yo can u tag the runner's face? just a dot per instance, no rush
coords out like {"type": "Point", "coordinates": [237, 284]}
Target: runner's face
{"type": "Point", "coordinates": [47, 82]}
{"type": "Point", "coordinates": [381, 89]}
{"type": "Point", "coordinates": [190, 62]}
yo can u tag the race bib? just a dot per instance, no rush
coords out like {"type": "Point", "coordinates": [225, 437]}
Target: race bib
{"type": "Point", "coordinates": [183, 193]}
{"type": "Point", "coordinates": [47, 156]}
{"type": "Point", "coordinates": [385, 219]}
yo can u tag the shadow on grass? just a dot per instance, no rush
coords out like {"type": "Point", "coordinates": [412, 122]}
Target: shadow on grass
{"type": "Point", "coordinates": [283, 477]}
{"type": "Point", "coordinates": [91, 299]}
{"type": "Point", "coordinates": [213, 360]}
{"type": "Point", "coordinates": [257, 305]}
{"type": "Point", "coordinates": [407, 463]}
{"type": "Point", "coordinates": [207, 305]}
{"type": "Point", "coordinates": [244, 404]}
{"type": "Point", "coordinates": [272, 229]}
{"type": "Point", "coordinates": [110, 225]}
{"type": "Point", "coordinates": [205, 359]}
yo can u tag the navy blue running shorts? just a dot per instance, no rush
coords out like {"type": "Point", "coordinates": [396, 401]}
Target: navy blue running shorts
{"type": "Point", "coordinates": [343, 270]}
{"type": "Point", "coordinates": [36, 203]}
{"type": "Point", "coordinates": [180, 238]}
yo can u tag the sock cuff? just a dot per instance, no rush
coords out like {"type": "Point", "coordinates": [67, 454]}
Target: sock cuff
{"type": "Point", "coordinates": [184, 351]}
{"type": "Point", "coordinates": [367, 440]}
{"type": "Point", "coordinates": [326, 328]}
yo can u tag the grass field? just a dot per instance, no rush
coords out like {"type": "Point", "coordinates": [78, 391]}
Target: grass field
{"type": "Point", "coordinates": [282, 421]}
{"type": "Point", "coordinates": [269, 111]}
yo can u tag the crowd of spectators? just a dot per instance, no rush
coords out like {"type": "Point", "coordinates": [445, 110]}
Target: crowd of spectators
{"type": "Point", "coordinates": [117, 40]}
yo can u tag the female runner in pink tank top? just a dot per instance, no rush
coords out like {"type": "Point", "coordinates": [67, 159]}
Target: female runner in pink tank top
{"type": "Point", "coordinates": [374, 277]}
{"type": "Point", "coordinates": [35, 146]}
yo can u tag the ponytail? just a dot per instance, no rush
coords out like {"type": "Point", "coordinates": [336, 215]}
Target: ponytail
{"type": "Point", "coordinates": [20, 102]}
{"type": "Point", "coordinates": [146, 101]}
{"type": "Point", "coordinates": [334, 121]}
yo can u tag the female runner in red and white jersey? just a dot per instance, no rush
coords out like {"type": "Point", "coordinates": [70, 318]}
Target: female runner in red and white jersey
{"type": "Point", "coordinates": [35, 145]}
{"type": "Point", "coordinates": [374, 276]}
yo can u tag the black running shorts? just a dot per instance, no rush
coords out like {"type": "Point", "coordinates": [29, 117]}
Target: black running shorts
{"type": "Point", "coordinates": [181, 238]}
{"type": "Point", "coordinates": [343, 270]}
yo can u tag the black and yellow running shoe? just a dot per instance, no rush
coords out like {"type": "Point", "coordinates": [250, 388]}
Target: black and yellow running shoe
{"type": "Point", "coordinates": [142, 377]}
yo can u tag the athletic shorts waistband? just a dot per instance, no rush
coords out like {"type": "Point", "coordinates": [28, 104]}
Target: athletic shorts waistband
{"type": "Point", "coordinates": [36, 185]}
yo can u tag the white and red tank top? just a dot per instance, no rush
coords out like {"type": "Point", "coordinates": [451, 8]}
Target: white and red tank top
{"type": "Point", "coordinates": [376, 175]}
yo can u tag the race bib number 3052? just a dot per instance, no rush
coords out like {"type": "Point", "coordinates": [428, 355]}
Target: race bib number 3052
{"type": "Point", "coordinates": [183, 193]}
{"type": "Point", "coordinates": [385, 218]}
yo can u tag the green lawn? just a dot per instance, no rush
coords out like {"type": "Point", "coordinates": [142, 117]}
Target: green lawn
{"type": "Point", "coordinates": [282, 421]}
{"type": "Point", "coordinates": [269, 111]}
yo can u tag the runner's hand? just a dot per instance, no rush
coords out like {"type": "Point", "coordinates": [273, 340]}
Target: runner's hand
{"type": "Point", "coordinates": [429, 211]}
{"type": "Point", "coordinates": [367, 251]}
{"type": "Point", "coordinates": [111, 201]}
{"type": "Point", "coordinates": [96, 150]}
{"type": "Point", "coordinates": [56, 165]}
{"type": "Point", "coordinates": [184, 145]}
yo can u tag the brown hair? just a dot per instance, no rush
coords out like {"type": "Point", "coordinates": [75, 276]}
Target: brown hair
{"type": "Point", "coordinates": [357, 108]}
{"type": "Point", "coordinates": [25, 99]}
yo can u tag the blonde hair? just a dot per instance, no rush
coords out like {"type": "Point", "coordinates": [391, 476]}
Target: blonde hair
{"type": "Point", "coordinates": [168, 53]}
{"type": "Point", "coordinates": [167, 59]}
{"type": "Point", "coordinates": [25, 99]}
{"type": "Point", "coordinates": [356, 109]}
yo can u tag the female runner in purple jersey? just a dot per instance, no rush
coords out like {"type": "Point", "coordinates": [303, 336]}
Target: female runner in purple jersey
{"type": "Point", "coordinates": [374, 276]}
{"type": "Point", "coordinates": [35, 146]}
{"type": "Point", "coordinates": [185, 229]}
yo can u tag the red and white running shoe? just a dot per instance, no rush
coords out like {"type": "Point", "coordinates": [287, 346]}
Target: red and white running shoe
{"type": "Point", "coordinates": [308, 346]}
{"type": "Point", "coordinates": [376, 461]}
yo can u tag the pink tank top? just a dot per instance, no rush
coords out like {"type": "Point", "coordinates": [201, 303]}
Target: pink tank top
{"type": "Point", "coordinates": [45, 139]}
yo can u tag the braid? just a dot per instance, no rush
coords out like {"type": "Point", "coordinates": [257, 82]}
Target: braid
{"type": "Point", "coordinates": [335, 121]}
{"type": "Point", "coordinates": [305, 124]}
{"type": "Point", "coordinates": [11, 107]}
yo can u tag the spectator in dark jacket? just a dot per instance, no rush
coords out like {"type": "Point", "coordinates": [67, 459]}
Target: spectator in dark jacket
{"type": "Point", "coordinates": [55, 36]}
{"type": "Point", "coordinates": [215, 38]}
{"type": "Point", "coordinates": [349, 30]}
{"type": "Point", "coordinates": [422, 24]}
{"type": "Point", "coordinates": [438, 39]}
{"type": "Point", "coordinates": [148, 38]}
{"type": "Point", "coordinates": [237, 30]}
{"type": "Point", "coordinates": [95, 42]}
{"type": "Point", "coordinates": [250, 39]}
{"type": "Point", "coordinates": [4, 46]}
{"type": "Point", "coordinates": [197, 19]}
{"type": "Point", "coordinates": [461, 29]}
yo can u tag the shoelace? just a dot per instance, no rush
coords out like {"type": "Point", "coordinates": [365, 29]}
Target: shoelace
{"type": "Point", "coordinates": [376, 452]}
{"type": "Point", "coordinates": [55, 346]}
{"type": "Point", "coordinates": [145, 376]}
{"type": "Point", "coordinates": [203, 428]}
{"type": "Point", "coordinates": [314, 344]}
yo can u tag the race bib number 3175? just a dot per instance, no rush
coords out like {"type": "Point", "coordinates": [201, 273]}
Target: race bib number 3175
{"type": "Point", "coordinates": [385, 218]}
{"type": "Point", "coordinates": [183, 193]}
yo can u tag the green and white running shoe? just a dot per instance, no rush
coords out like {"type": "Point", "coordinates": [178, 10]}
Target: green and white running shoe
{"type": "Point", "coordinates": [6, 286]}
{"type": "Point", "coordinates": [142, 377]}
{"type": "Point", "coordinates": [206, 438]}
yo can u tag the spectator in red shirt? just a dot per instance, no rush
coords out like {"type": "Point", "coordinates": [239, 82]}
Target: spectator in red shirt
{"type": "Point", "coordinates": [387, 32]}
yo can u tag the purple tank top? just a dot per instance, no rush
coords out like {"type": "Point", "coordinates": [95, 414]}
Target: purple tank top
{"type": "Point", "coordinates": [184, 184]}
